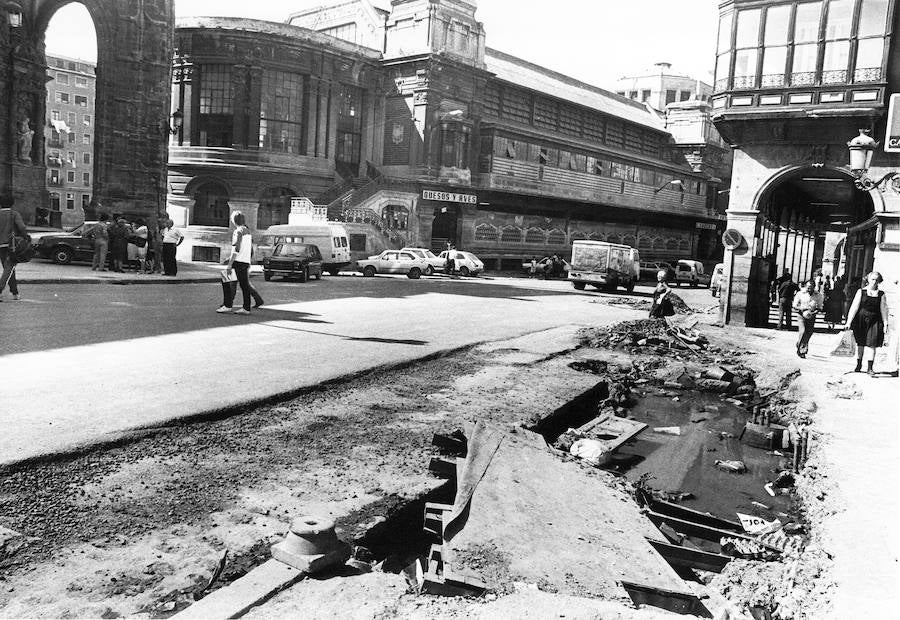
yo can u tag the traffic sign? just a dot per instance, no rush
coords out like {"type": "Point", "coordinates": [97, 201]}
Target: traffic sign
{"type": "Point", "coordinates": [732, 239]}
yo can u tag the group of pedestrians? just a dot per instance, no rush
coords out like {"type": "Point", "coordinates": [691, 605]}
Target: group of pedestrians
{"type": "Point", "coordinates": [866, 318]}
{"type": "Point", "coordinates": [120, 244]}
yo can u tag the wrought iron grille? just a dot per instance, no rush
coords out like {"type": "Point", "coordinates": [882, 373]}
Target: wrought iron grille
{"type": "Point", "coordinates": [868, 74]}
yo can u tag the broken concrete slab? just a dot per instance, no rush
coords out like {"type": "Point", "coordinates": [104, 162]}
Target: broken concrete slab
{"type": "Point", "coordinates": [543, 343]}
{"type": "Point", "coordinates": [581, 537]}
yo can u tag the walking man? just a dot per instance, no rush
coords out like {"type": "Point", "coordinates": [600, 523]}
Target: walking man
{"type": "Point", "coordinates": [786, 291]}
{"type": "Point", "coordinates": [807, 303]}
{"type": "Point", "coordinates": [172, 238]}
{"type": "Point", "coordinates": [10, 223]}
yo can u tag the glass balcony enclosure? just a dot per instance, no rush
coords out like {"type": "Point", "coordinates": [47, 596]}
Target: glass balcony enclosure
{"type": "Point", "coordinates": [802, 44]}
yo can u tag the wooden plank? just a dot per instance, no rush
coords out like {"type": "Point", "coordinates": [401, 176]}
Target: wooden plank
{"type": "Point", "coordinates": [695, 516]}
{"type": "Point", "coordinates": [712, 534]}
{"type": "Point", "coordinates": [690, 558]}
{"type": "Point", "coordinates": [669, 600]}
{"type": "Point", "coordinates": [254, 588]}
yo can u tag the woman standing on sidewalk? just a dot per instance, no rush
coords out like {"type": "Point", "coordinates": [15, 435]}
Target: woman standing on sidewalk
{"type": "Point", "coordinates": [241, 250]}
{"type": "Point", "coordinates": [807, 303]}
{"type": "Point", "coordinates": [867, 318]}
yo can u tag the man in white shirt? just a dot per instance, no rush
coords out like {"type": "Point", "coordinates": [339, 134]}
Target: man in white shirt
{"type": "Point", "coordinates": [807, 304]}
{"type": "Point", "coordinates": [172, 238]}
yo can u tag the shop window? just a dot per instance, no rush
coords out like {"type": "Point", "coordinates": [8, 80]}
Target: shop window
{"type": "Point", "coordinates": [274, 208]}
{"type": "Point", "coordinates": [486, 232]}
{"type": "Point", "coordinates": [210, 206]}
{"type": "Point", "coordinates": [556, 237]}
{"type": "Point", "coordinates": [216, 117]}
{"type": "Point", "coordinates": [534, 235]}
{"type": "Point", "coordinates": [511, 234]}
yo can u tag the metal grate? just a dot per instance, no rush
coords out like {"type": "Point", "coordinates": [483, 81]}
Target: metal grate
{"type": "Point", "coordinates": [837, 76]}
{"type": "Point", "coordinates": [870, 74]}
{"type": "Point", "coordinates": [774, 79]}
{"type": "Point", "coordinates": [803, 79]}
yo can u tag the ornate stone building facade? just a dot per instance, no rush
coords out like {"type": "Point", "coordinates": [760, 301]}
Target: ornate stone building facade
{"type": "Point", "coordinates": [400, 119]}
{"type": "Point", "coordinates": [794, 82]}
{"type": "Point", "coordinates": [134, 66]}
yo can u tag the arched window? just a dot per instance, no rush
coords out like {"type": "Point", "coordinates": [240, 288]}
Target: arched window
{"type": "Point", "coordinates": [659, 244]}
{"type": "Point", "coordinates": [672, 244]}
{"type": "Point", "coordinates": [274, 207]}
{"type": "Point", "coordinates": [486, 232]}
{"type": "Point", "coordinates": [556, 237]}
{"type": "Point", "coordinates": [395, 217]}
{"type": "Point", "coordinates": [511, 234]}
{"type": "Point", "coordinates": [210, 205]}
{"type": "Point", "coordinates": [645, 242]}
{"type": "Point", "coordinates": [596, 236]}
{"type": "Point", "coordinates": [684, 245]}
{"type": "Point", "coordinates": [579, 235]}
{"type": "Point", "coordinates": [534, 235]}
{"type": "Point", "coordinates": [613, 238]}
{"type": "Point", "coordinates": [629, 240]}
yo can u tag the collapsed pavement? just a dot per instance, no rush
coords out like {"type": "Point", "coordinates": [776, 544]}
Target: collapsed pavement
{"type": "Point", "coordinates": [504, 381]}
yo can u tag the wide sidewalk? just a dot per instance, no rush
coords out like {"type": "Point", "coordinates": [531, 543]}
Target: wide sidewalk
{"type": "Point", "coordinates": [39, 271]}
{"type": "Point", "coordinates": [858, 440]}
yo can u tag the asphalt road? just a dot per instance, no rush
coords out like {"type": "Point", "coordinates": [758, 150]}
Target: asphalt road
{"type": "Point", "coordinates": [52, 316]}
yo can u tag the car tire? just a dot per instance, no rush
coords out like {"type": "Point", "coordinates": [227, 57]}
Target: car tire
{"type": "Point", "coordinates": [334, 271]}
{"type": "Point", "coordinates": [429, 270]}
{"type": "Point", "coordinates": [464, 272]}
{"type": "Point", "coordinates": [62, 255]}
{"type": "Point", "coordinates": [267, 275]}
{"type": "Point", "coordinates": [579, 286]}
{"type": "Point", "coordinates": [304, 275]}
{"type": "Point", "coordinates": [414, 274]}
{"type": "Point", "coordinates": [369, 271]}
{"type": "Point", "coordinates": [611, 286]}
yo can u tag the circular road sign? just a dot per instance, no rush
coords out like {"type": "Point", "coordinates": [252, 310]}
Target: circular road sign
{"type": "Point", "coordinates": [731, 238]}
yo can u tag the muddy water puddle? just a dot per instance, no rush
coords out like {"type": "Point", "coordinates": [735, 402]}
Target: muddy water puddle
{"type": "Point", "coordinates": [709, 431]}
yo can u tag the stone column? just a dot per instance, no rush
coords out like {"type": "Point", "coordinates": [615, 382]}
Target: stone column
{"type": "Point", "coordinates": [738, 300]}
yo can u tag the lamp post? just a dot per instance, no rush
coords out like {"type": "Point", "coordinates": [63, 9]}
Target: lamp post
{"type": "Point", "coordinates": [13, 14]}
{"type": "Point", "coordinates": [177, 122]}
{"type": "Point", "coordinates": [862, 148]}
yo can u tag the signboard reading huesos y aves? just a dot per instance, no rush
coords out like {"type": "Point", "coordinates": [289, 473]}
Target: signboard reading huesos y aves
{"type": "Point", "coordinates": [468, 199]}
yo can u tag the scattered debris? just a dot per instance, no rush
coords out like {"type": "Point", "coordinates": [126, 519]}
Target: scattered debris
{"type": "Point", "coordinates": [736, 467]}
{"type": "Point", "coordinates": [757, 525]}
{"type": "Point", "coordinates": [668, 430]}
{"type": "Point", "coordinates": [844, 388]}
{"type": "Point", "coordinates": [201, 592]}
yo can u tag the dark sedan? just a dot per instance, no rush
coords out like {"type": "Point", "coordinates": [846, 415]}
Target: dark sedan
{"type": "Point", "coordinates": [63, 248]}
{"type": "Point", "coordinates": [294, 260]}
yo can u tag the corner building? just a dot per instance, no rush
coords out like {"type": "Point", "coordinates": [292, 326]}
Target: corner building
{"type": "Point", "coordinates": [795, 81]}
{"type": "Point", "coordinates": [430, 138]}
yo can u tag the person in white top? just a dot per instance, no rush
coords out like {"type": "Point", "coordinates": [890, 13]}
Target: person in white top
{"type": "Point", "coordinates": [807, 303]}
{"type": "Point", "coordinates": [239, 262]}
{"type": "Point", "coordinates": [172, 238]}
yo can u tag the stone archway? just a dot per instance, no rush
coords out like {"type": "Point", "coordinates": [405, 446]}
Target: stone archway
{"type": "Point", "coordinates": [135, 40]}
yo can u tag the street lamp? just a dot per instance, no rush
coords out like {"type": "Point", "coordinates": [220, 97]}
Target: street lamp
{"type": "Point", "coordinates": [13, 14]}
{"type": "Point", "coordinates": [862, 148]}
{"type": "Point", "coordinates": [177, 122]}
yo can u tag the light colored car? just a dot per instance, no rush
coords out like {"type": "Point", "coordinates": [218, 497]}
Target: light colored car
{"type": "Point", "coordinates": [691, 272]}
{"type": "Point", "coordinates": [435, 263]}
{"type": "Point", "coordinates": [715, 284]}
{"type": "Point", "coordinates": [464, 263]}
{"type": "Point", "coordinates": [394, 261]}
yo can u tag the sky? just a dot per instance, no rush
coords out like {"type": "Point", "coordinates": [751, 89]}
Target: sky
{"type": "Point", "coordinates": [596, 41]}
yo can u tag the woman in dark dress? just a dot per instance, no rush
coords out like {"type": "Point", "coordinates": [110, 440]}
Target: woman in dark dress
{"type": "Point", "coordinates": [867, 317]}
{"type": "Point", "coordinates": [662, 305]}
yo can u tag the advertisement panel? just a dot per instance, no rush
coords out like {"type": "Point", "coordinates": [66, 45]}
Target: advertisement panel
{"type": "Point", "coordinates": [892, 137]}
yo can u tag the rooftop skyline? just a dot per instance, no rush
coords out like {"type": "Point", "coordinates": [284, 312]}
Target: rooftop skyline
{"type": "Point", "coordinates": [575, 37]}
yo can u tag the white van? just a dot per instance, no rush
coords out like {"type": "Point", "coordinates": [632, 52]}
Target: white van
{"type": "Point", "coordinates": [604, 265]}
{"type": "Point", "coordinates": [331, 239]}
{"type": "Point", "coordinates": [691, 272]}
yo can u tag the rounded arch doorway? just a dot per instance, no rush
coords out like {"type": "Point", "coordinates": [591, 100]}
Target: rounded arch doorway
{"type": "Point", "coordinates": [210, 205]}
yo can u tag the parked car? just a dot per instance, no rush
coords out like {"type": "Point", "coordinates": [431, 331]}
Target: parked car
{"type": "Point", "coordinates": [691, 272]}
{"type": "Point", "coordinates": [63, 248]}
{"type": "Point", "coordinates": [435, 263]}
{"type": "Point", "coordinates": [544, 263]}
{"type": "Point", "coordinates": [650, 269]}
{"type": "Point", "coordinates": [394, 261]}
{"type": "Point", "coordinates": [465, 263]}
{"type": "Point", "coordinates": [294, 260]}
{"type": "Point", "coordinates": [715, 283]}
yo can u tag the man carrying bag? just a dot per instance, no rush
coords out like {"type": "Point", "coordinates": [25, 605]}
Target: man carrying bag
{"type": "Point", "coordinates": [13, 240]}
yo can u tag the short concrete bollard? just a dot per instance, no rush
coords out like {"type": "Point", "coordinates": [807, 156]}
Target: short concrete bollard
{"type": "Point", "coordinates": [311, 546]}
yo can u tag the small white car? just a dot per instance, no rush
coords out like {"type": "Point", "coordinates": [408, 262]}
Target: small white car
{"type": "Point", "coordinates": [435, 263]}
{"type": "Point", "coordinates": [464, 263]}
{"type": "Point", "coordinates": [394, 261]}
{"type": "Point", "coordinates": [691, 272]}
